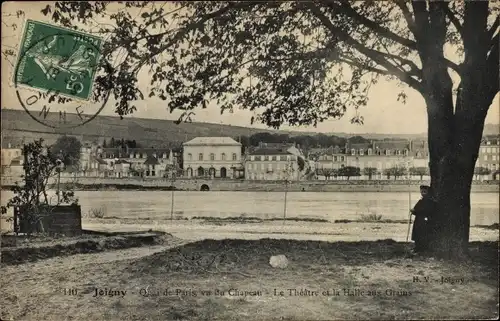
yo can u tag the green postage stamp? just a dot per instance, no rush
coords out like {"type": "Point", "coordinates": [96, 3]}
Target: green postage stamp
{"type": "Point", "coordinates": [55, 59]}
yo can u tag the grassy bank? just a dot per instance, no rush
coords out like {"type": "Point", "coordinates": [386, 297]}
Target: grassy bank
{"type": "Point", "coordinates": [232, 280]}
{"type": "Point", "coordinates": [22, 249]}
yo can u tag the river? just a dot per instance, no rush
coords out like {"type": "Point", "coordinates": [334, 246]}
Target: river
{"type": "Point", "coordinates": [325, 205]}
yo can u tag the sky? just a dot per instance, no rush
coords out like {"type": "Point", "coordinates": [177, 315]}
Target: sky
{"type": "Point", "coordinates": [383, 114]}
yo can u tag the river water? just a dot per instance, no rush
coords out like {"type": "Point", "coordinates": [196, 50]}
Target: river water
{"type": "Point", "coordinates": [325, 205]}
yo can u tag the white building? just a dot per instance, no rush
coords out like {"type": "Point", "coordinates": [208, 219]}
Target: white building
{"type": "Point", "coordinates": [273, 162]}
{"type": "Point", "coordinates": [212, 157]}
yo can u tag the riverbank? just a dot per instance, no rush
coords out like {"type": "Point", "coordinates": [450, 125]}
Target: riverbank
{"type": "Point", "coordinates": [196, 229]}
{"type": "Point", "coordinates": [128, 184]}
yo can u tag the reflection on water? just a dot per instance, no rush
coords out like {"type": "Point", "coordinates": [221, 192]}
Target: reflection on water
{"type": "Point", "coordinates": [330, 206]}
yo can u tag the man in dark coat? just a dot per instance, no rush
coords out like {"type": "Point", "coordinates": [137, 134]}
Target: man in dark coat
{"type": "Point", "coordinates": [424, 211]}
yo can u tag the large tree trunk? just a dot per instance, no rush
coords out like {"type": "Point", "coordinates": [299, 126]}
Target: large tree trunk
{"type": "Point", "coordinates": [454, 134]}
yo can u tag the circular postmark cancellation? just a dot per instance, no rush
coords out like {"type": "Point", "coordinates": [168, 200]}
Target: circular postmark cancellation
{"type": "Point", "coordinates": [56, 74]}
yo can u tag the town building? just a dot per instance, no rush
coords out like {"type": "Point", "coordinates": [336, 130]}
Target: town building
{"type": "Point", "coordinates": [381, 155]}
{"type": "Point", "coordinates": [489, 157]}
{"type": "Point", "coordinates": [11, 162]}
{"type": "Point", "coordinates": [273, 162]}
{"type": "Point", "coordinates": [212, 157]}
{"type": "Point", "coordinates": [143, 162]}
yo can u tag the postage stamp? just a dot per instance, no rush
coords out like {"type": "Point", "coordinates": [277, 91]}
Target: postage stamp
{"type": "Point", "coordinates": [57, 62]}
{"type": "Point", "coordinates": [58, 59]}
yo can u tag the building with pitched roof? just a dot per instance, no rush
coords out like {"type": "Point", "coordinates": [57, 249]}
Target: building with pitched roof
{"type": "Point", "coordinates": [381, 155]}
{"type": "Point", "coordinates": [489, 156]}
{"type": "Point", "coordinates": [212, 157]}
{"type": "Point", "coordinates": [332, 157]}
{"type": "Point", "coordinates": [272, 162]}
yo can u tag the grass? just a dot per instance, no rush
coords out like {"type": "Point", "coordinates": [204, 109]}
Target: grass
{"type": "Point", "coordinates": [194, 282]}
{"type": "Point", "coordinates": [253, 219]}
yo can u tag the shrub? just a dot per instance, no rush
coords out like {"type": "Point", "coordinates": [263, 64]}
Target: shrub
{"type": "Point", "coordinates": [372, 217]}
{"type": "Point", "coordinates": [96, 213]}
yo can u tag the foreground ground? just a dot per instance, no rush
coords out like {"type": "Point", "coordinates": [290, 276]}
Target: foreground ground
{"type": "Point", "coordinates": [207, 280]}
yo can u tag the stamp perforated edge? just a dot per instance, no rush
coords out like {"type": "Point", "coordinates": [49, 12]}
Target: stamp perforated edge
{"type": "Point", "coordinates": [43, 90]}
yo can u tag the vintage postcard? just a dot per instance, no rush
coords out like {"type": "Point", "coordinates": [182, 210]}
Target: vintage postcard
{"type": "Point", "coordinates": [250, 160]}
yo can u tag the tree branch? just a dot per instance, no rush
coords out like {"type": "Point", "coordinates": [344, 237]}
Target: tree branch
{"type": "Point", "coordinates": [453, 18]}
{"type": "Point", "coordinates": [493, 28]}
{"type": "Point", "coordinates": [349, 11]}
{"type": "Point", "coordinates": [408, 17]}
{"type": "Point", "coordinates": [192, 26]}
{"type": "Point", "coordinates": [375, 55]}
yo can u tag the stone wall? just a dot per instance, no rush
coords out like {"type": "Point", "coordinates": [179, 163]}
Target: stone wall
{"type": "Point", "coordinates": [245, 185]}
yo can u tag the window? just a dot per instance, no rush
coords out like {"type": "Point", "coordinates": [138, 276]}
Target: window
{"type": "Point", "coordinates": [257, 158]}
{"type": "Point", "coordinates": [266, 158]}
{"type": "Point", "coordinates": [406, 152]}
{"type": "Point", "coordinates": [341, 158]}
{"type": "Point", "coordinates": [274, 158]}
{"type": "Point", "coordinates": [200, 156]}
{"type": "Point", "coordinates": [387, 152]}
{"type": "Point", "coordinates": [398, 152]}
{"type": "Point", "coordinates": [252, 158]}
{"type": "Point", "coordinates": [370, 151]}
{"type": "Point", "coordinates": [164, 155]}
{"type": "Point", "coordinates": [334, 158]}
{"type": "Point", "coordinates": [283, 158]}
{"type": "Point", "coordinates": [153, 173]}
{"type": "Point", "coordinates": [485, 157]}
{"type": "Point", "coordinates": [212, 156]}
{"type": "Point", "coordinates": [353, 152]}
{"type": "Point", "coordinates": [361, 152]}
{"type": "Point", "coordinates": [223, 156]}
{"type": "Point", "coordinates": [249, 166]}
{"type": "Point", "coordinates": [190, 156]}
{"type": "Point", "coordinates": [235, 157]}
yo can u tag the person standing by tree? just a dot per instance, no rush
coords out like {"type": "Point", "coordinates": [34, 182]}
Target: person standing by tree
{"type": "Point", "coordinates": [424, 211]}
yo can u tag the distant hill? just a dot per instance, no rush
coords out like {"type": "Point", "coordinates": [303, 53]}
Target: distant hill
{"type": "Point", "coordinates": [17, 124]}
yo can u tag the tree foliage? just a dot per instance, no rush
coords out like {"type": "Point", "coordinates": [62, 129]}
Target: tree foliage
{"type": "Point", "coordinates": [419, 171]}
{"type": "Point", "coordinates": [67, 149]}
{"type": "Point", "coordinates": [349, 171]}
{"type": "Point", "coordinates": [482, 171]}
{"type": "Point", "coordinates": [396, 172]}
{"type": "Point", "coordinates": [370, 171]}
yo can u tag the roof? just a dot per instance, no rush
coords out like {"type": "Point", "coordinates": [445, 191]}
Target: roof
{"type": "Point", "coordinates": [269, 151]}
{"type": "Point", "coordinates": [151, 160]}
{"type": "Point", "coordinates": [212, 141]}
{"type": "Point", "coordinates": [121, 161]}
{"type": "Point", "coordinates": [326, 151]}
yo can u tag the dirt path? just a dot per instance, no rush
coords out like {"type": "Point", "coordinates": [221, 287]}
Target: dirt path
{"type": "Point", "coordinates": [91, 258]}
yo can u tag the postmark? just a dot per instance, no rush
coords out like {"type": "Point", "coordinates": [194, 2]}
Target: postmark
{"type": "Point", "coordinates": [56, 72]}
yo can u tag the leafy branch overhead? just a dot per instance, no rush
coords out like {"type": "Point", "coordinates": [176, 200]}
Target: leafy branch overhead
{"type": "Point", "coordinates": [292, 62]}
